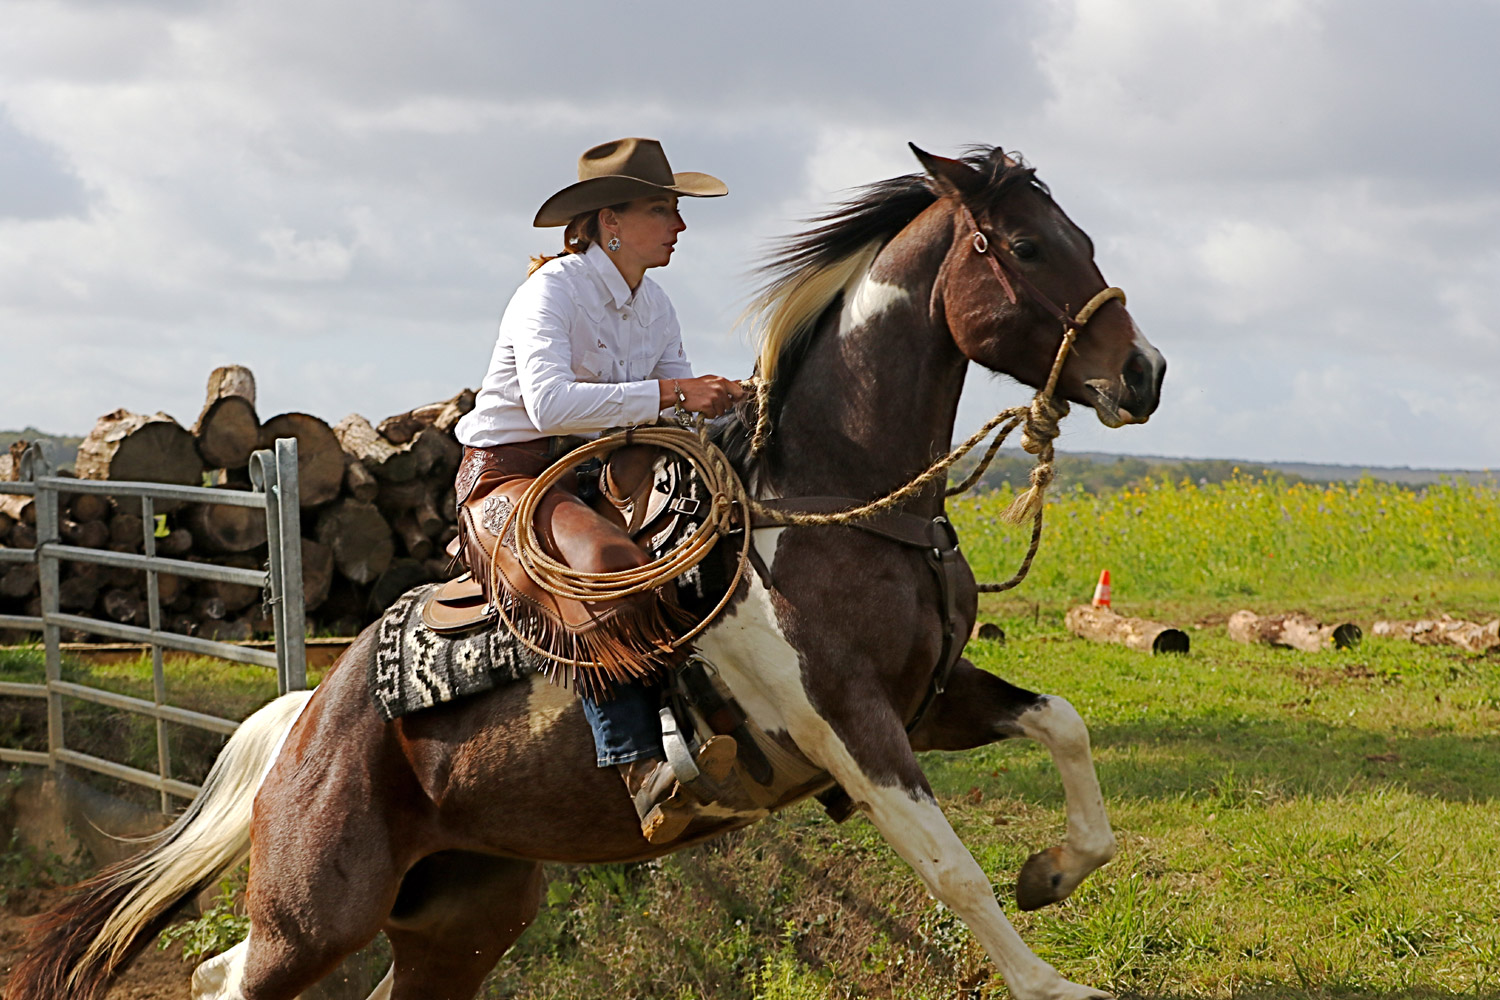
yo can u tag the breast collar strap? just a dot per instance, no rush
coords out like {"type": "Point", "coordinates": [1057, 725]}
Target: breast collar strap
{"type": "Point", "coordinates": [937, 540]}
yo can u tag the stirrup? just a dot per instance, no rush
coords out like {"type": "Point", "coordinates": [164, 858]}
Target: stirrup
{"type": "Point", "coordinates": [666, 805]}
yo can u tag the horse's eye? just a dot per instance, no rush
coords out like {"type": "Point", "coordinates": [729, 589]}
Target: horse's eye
{"type": "Point", "coordinates": [1025, 250]}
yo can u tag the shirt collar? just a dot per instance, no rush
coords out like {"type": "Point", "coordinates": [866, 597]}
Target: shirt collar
{"type": "Point", "coordinates": [614, 281]}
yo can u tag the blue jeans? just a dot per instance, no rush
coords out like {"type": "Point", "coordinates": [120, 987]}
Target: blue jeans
{"type": "Point", "coordinates": [627, 727]}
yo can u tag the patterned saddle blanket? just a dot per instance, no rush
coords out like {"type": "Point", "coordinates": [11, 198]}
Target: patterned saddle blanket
{"type": "Point", "coordinates": [416, 668]}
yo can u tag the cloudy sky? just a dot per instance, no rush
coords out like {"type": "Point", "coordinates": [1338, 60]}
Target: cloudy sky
{"type": "Point", "coordinates": [1301, 197]}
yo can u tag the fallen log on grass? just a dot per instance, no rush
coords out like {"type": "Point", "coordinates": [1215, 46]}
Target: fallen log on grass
{"type": "Point", "coordinates": [1293, 630]}
{"type": "Point", "coordinates": [1444, 631]}
{"type": "Point", "coordinates": [1103, 625]}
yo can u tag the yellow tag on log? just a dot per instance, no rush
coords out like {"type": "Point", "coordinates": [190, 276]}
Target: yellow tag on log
{"type": "Point", "coordinates": [161, 526]}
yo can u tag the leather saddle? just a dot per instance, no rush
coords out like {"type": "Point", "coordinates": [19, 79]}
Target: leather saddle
{"type": "Point", "coordinates": [642, 490]}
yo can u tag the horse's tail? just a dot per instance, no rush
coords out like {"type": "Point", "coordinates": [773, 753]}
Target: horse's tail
{"type": "Point", "coordinates": [77, 950]}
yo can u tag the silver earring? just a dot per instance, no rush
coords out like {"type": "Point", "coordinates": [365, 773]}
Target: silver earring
{"type": "Point", "coordinates": [613, 244]}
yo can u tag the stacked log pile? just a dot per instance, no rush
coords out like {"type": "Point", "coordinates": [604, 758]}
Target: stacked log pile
{"type": "Point", "coordinates": [377, 501]}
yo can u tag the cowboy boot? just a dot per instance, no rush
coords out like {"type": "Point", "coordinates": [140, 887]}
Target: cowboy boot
{"type": "Point", "coordinates": [663, 803]}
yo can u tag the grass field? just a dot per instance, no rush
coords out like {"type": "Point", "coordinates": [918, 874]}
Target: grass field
{"type": "Point", "coordinates": [1290, 824]}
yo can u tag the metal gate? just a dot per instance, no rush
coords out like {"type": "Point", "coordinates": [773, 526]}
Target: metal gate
{"type": "Point", "coordinates": [273, 474]}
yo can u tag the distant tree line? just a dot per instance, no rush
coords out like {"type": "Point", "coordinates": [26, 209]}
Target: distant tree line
{"type": "Point", "coordinates": [1094, 476]}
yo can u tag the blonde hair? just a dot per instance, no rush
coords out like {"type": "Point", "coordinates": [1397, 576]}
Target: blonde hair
{"type": "Point", "coordinates": [578, 236]}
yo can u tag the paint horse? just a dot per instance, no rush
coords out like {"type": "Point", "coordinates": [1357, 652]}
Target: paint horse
{"type": "Point", "coordinates": [434, 828]}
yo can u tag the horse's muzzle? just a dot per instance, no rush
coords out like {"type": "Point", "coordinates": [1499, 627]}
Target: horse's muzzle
{"type": "Point", "coordinates": [1133, 395]}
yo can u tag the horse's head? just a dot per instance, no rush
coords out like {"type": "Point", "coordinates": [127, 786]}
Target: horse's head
{"type": "Point", "coordinates": [1018, 266]}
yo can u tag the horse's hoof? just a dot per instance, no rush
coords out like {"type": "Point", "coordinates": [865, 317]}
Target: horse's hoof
{"type": "Point", "coordinates": [1040, 882]}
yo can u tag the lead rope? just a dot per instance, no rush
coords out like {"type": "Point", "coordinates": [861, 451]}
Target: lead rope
{"type": "Point", "coordinates": [733, 509]}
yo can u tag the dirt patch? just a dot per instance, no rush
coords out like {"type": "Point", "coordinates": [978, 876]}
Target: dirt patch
{"type": "Point", "coordinates": [156, 975]}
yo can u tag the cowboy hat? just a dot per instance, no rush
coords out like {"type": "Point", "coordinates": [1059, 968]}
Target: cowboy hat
{"type": "Point", "coordinates": [619, 171]}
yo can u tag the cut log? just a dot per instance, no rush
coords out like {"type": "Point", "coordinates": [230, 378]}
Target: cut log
{"type": "Point", "coordinates": [228, 430]}
{"type": "Point", "coordinates": [1293, 631]}
{"type": "Point", "coordinates": [125, 531]}
{"type": "Point", "coordinates": [88, 534]}
{"type": "Point", "coordinates": [988, 631]}
{"type": "Point", "coordinates": [1444, 631]}
{"type": "Point", "coordinates": [182, 624]}
{"type": "Point", "coordinates": [23, 535]}
{"type": "Point", "coordinates": [414, 540]}
{"type": "Point", "coordinates": [179, 541]}
{"type": "Point", "coordinates": [437, 454]}
{"type": "Point", "coordinates": [209, 608]}
{"type": "Point", "coordinates": [10, 462]}
{"type": "Point", "coordinates": [19, 580]}
{"type": "Point", "coordinates": [414, 497]}
{"type": "Point", "coordinates": [220, 528]}
{"type": "Point", "coordinates": [237, 630]}
{"type": "Point", "coordinates": [359, 482]}
{"type": "Point", "coordinates": [17, 508]}
{"type": "Point", "coordinates": [399, 577]}
{"type": "Point", "coordinates": [317, 573]}
{"type": "Point", "coordinates": [133, 447]}
{"type": "Point", "coordinates": [125, 606]}
{"type": "Point", "coordinates": [387, 462]}
{"type": "Point", "coordinates": [78, 593]}
{"type": "Point", "coordinates": [119, 576]}
{"type": "Point", "coordinates": [1103, 625]}
{"type": "Point", "coordinates": [6, 523]}
{"type": "Point", "coordinates": [168, 587]}
{"type": "Point", "coordinates": [86, 507]}
{"type": "Point", "coordinates": [235, 596]}
{"type": "Point", "coordinates": [320, 458]}
{"type": "Point", "coordinates": [443, 415]}
{"type": "Point", "coordinates": [359, 537]}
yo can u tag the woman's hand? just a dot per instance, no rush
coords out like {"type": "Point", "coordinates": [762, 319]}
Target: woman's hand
{"type": "Point", "coordinates": [710, 395]}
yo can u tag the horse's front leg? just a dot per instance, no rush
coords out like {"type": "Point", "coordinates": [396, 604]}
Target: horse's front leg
{"type": "Point", "coordinates": [979, 708]}
{"type": "Point", "coordinates": [880, 771]}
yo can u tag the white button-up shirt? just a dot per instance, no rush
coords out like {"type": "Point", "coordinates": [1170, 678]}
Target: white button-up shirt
{"type": "Point", "coordinates": [578, 352]}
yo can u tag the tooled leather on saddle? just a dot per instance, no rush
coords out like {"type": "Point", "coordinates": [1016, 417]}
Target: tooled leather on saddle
{"type": "Point", "coordinates": [649, 494]}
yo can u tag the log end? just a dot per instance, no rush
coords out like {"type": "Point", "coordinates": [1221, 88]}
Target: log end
{"type": "Point", "coordinates": [1347, 636]}
{"type": "Point", "coordinates": [1170, 640]}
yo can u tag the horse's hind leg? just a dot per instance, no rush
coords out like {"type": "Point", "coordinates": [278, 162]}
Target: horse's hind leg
{"type": "Point", "coordinates": [455, 916]}
{"type": "Point", "coordinates": [979, 708]}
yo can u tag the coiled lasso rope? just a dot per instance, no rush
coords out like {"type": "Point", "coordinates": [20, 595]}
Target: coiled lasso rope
{"type": "Point", "coordinates": [732, 507]}
{"type": "Point", "coordinates": [728, 510]}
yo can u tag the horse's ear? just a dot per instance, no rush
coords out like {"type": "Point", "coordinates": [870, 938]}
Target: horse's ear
{"type": "Point", "coordinates": [948, 176]}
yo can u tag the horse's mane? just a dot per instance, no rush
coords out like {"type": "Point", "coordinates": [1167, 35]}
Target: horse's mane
{"type": "Point", "coordinates": [806, 274]}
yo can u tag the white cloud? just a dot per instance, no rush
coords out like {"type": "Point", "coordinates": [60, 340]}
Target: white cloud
{"type": "Point", "coordinates": [1295, 193]}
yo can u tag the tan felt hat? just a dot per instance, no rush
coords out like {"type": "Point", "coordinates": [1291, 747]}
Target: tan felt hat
{"type": "Point", "coordinates": [619, 171]}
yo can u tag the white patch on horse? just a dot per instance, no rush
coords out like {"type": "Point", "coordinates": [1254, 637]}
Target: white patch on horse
{"type": "Point", "coordinates": [866, 298]}
{"type": "Point", "coordinates": [1055, 724]}
{"type": "Point", "coordinates": [764, 672]}
{"type": "Point", "coordinates": [546, 703]}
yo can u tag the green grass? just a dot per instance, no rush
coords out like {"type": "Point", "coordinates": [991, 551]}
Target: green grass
{"type": "Point", "coordinates": [215, 687]}
{"type": "Point", "coordinates": [1290, 824]}
{"type": "Point", "coordinates": [1371, 545]}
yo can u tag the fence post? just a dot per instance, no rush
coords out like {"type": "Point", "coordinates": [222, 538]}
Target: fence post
{"type": "Point", "coordinates": [47, 524]}
{"type": "Point", "coordinates": [294, 615]}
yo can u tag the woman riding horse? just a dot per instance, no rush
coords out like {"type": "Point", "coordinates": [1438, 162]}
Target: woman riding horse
{"type": "Point", "coordinates": [589, 343]}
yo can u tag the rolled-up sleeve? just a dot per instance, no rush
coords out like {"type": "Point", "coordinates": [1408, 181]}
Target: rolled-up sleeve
{"type": "Point", "coordinates": [537, 322]}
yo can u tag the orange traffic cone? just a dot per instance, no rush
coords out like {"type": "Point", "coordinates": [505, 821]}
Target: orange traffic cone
{"type": "Point", "coordinates": [1101, 591]}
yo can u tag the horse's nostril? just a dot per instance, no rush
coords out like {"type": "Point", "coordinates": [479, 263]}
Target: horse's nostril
{"type": "Point", "coordinates": [1142, 381]}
